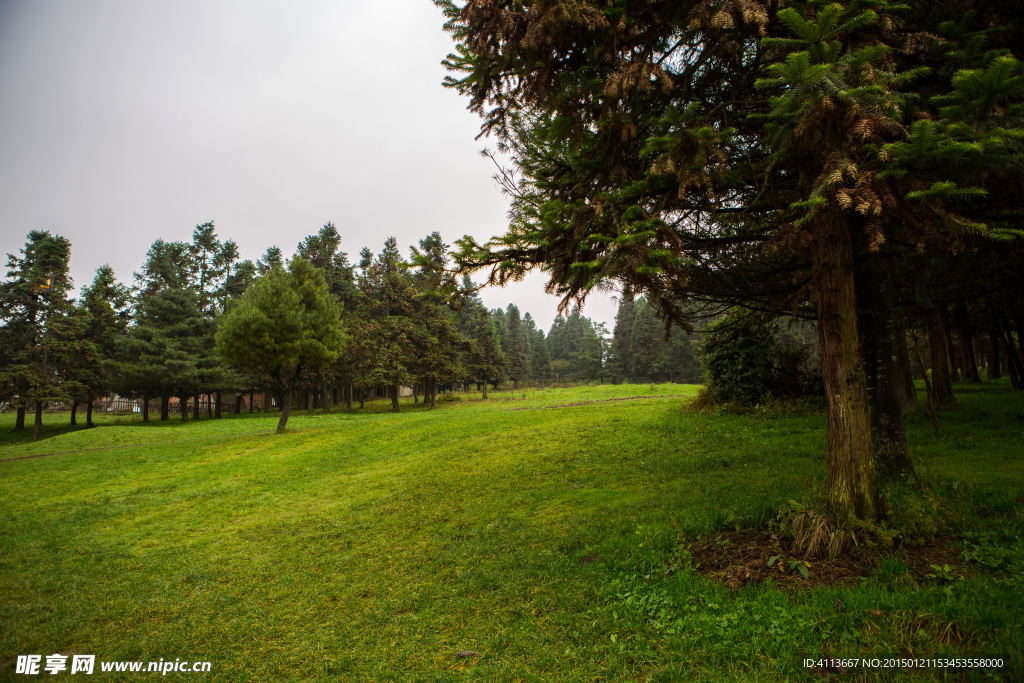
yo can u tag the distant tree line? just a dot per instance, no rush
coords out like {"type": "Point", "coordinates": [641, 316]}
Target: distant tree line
{"type": "Point", "coordinates": [200, 324]}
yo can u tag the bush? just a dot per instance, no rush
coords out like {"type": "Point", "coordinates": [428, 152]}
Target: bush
{"type": "Point", "coordinates": [745, 361]}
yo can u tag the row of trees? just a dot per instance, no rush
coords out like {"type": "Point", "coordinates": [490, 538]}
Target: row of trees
{"type": "Point", "coordinates": [201, 321]}
{"type": "Point", "coordinates": [857, 164]}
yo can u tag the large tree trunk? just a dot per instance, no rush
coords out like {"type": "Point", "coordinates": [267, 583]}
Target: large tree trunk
{"type": "Point", "coordinates": [216, 405]}
{"type": "Point", "coordinates": [74, 411]}
{"type": "Point", "coordinates": [266, 400]}
{"type": "Point", "coordinates": [394, 398]}
{"type": "Point", "coordinates": [196, 407]}
{"type": "Point", "coordinates": [37, 425]}
{"type": "Point", "coordinates": [19, 418]}
{"type": "Point", "coordinates": [183, 402]}
{"type": "Point", "coordinates": [239, 402]}
{"type": "Point", "coordinates": [165, 408]}
{"type": "Point", "coordinates": [942, 386]}
{"type": "Point", "coordinates": [963, 332]}
{"type": "Point", "coordinates": [145, 408]}
{"type": "Point", "coordinates": [851, 473]}
{"type": "Point", "coordinates": [885, 387]}
{"type": "Point", "coordinates": [88, 412]}
{"type": "Point", "coordinates": [433, 394]}
{"type": "Point", "coordinates": [286, 409]}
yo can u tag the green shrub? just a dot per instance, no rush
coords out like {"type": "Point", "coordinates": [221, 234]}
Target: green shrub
{"type": "Point", "coordinates": [744, 361]}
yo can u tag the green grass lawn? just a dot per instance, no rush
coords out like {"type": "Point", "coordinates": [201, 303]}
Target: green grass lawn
{"type": "Point", "coordinates": [368, 546]}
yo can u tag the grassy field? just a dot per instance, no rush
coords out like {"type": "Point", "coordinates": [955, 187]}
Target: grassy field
{"type": "Point", "coordinates": [518, 539]}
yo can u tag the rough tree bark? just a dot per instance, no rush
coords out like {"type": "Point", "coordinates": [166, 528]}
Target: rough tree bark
{"type": "Point", "coordinates": [851, 474]}
{"type": "Point", "coordinates": [286, 409]}
{"type": "Point", "coordinates": [37, 425]}
{"type": "Point", "coordinates": [884, 376]}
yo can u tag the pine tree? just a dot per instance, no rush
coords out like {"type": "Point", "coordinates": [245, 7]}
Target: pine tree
{"type": "Point", "coordinates": [540, 361]}
{"type": "Point", "coordinates": [104, 311]}
{"type": "Point", "coordinates": [516, 353]}
{"type": "Point", "coordinates": [487, 362]}
{"type": "Point", "coordinates": [38, 324]}
{"type": "Point", "coordinates": [285, 324]}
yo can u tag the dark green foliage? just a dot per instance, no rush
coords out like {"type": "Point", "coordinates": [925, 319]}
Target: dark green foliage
{"type": "Point", "coordinates": [639, 350]}
{"type": "Point", "coordinates": [285, 324]}
{"type": "Point", "coordinates": [486, 363]}
{"type": "Point", "coordinates": [745, 362]}
{"type": "Point", "coordinates": [41, 330]}
{"type": "Point", "coordinates": [169, 350]}
{"type": "Point", "coordinates": [516, 346]}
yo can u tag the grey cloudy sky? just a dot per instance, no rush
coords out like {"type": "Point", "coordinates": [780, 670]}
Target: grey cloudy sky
{"type": "Point", "coordinates": [122, 121]}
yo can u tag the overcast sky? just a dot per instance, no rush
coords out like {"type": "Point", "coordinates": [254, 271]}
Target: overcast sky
{"type": "Point", "coordinates": [124, 121]}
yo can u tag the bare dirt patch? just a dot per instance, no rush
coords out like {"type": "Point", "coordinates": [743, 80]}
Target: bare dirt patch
{"type": "Point", "coordinates": [739, 558]}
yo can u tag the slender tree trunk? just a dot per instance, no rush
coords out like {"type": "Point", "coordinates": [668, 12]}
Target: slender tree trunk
{"type": "Point", "coordinates": [252, 398]}
{"type": "Point", "coordinates": [927, 386]}
{"type": "Point", "coordinates": [326, 400]}
{"type": "Point", "coordinates": [993, 371]}
{"type": "Point", "coordinates": [239, 402]}
{"type": "Point", "coordinates": [88, 412]}
{"type": "Point", "coordinates": [433, 394]}
{"type": "Point", "coordinates": [165, 408]}
{"type": "Point", "coordinates": [1013, 363]}
{"type": "Point", "coordinates": [145, 408]}
{"type": "Point", "coordinates": [266, 400]}
{"type": "Point", "coordinates": [954, 375]}
{"type": "Point", "coordinates": [394, 398]}
{"type": "Point", "coordinates": [209, 405]}
{"type": "Point", "coordinates": [216, 405]}
{"type": "Point", "coordinates": [362, 397]}
{"type": "Point", "coordinates": [966, 339]}
{"type": "Point", "coordinates": [19, 418]}
{"type": "Point", "coordinates": [851, 473]}
{"type": "Point", "coordinates": [196, 407]}
{"type": "Point", "coordinates": [348, 395]}
{"type": "Point", "coordinates": [286, 409]}
{"type": "Point", "coordinates": [942, 386]}
{"type": "Point", "coordinates": [37, 425]}
{"type": "Point", "coordinates": [74, 410]}
{"type": "Point", "coordinates": [884, 377]}
{"type": "Point", "coordinates": [415, 393]}
{"type": "Point", "coordinates": [909, 391]}
{"type": "Point", "coordinates": [183, 402]}
{"type": "Point", "coordinates": [485, 389]}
